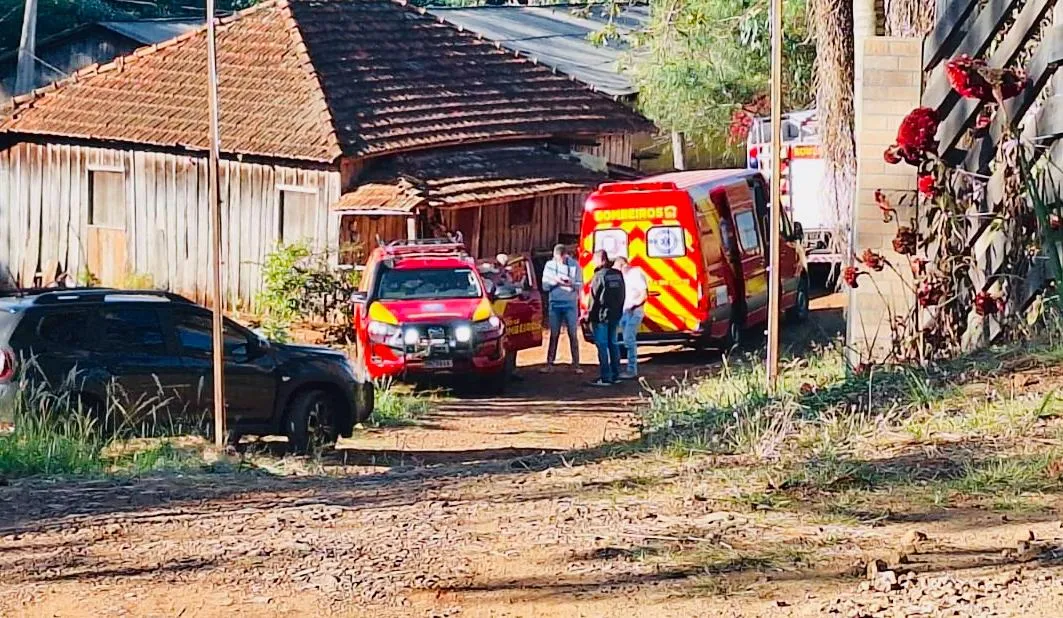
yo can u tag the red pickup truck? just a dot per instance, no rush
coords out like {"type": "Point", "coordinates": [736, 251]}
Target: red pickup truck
{"type": "Point", "coordinates": [424, 308]}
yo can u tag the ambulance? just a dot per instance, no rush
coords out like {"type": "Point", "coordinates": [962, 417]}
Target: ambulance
{"type": "Point", "coordinates": [700, 238]}
{"type": "Point", "coordinates": [803, 174]}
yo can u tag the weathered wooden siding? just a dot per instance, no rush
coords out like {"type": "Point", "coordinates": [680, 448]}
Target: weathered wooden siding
{"type": "Point", "coordinates": [552, 215]}
{"type": "Point", "coordinates": [616, 149]}
{"type": "Point", "coordinates": [44, 200]}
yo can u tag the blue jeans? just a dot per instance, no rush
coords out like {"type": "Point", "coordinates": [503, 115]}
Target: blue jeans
{"type": "Point", "coordinates": [567, 315]}
{"type": "Point", "coordinates": [629, 330]}
{"type": "Point", "coordinates": [608, 350]}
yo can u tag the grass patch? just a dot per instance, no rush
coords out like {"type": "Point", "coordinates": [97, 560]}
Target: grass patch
{"type": "Point", "coordinates": [396, 408]}
{"type": "Point", "coordinates": [1006, 476]}
{"type": "Point", "coordinates": [54, 433]}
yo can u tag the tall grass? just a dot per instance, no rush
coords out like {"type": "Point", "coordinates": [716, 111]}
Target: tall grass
{"type": "Point", "coordinates": [395, 408]}
{"type": "Point", "coordinates": [55, 432]}
{"type": "Point", "coordinates": [52, 434]}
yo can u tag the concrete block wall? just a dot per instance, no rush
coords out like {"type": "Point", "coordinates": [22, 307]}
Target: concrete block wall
{"type": "Point", "coordinates": [888, 86]}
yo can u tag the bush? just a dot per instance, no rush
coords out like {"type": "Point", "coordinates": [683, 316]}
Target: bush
{"type": "Point", "coordinates": [300, 285]}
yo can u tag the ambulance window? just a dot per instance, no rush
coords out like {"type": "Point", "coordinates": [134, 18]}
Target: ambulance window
{"type": "Point", "coordinates": [665, 242]}
{"type": "Point", "coordinates": [613, 242]}
{"type": "Point", "coordinates": [747, 232]}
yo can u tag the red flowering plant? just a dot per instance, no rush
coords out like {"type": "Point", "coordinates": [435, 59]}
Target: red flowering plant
{"type": "Point", "coordinates": [966, 256]}
{"type": "Point", "coordinates": [972, 78]}
{"type": "Point", "coordinates": [916, 142]}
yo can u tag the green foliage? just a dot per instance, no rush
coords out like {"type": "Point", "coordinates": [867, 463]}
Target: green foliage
{"type": "Point", "coordinates": [699, 61]}
{"type": "Point", "coordinates": [301, 285]}
{"type": "Point", "coordinates": [52, 434]}
{"type": "Point", "coordinates": [393, 408]}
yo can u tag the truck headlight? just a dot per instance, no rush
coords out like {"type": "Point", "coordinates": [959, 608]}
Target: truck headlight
{"type": "Point", "coordinates": [381, 332]}
{"type": "Point", "coordinates": [490, 328]}
{"type": "Point", "coordinates": [463, 333]}
{"type": "Point", "coordinates": [412, 337]}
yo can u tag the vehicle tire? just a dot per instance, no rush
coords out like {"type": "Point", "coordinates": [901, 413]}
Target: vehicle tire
{"type": "Point", "coordinates": [493, 384]}
{"type": "Point", "coordinates": [799, 312]}
{"type": "Point", "coordinates": [736, 330]}
{"type": "Point", "coordinates": [364, 400]}
{"type": "Point", "coordinates": [310, 422]}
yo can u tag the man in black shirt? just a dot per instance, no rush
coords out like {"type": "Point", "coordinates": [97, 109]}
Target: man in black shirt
{"type": "Point", "coordinates": [606, 307]}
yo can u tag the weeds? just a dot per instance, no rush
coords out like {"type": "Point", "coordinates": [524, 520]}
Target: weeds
{"type": "Point", "coordinates": [393, 408]}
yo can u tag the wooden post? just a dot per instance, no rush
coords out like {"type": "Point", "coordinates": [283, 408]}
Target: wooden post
{"type": "Point", "coordinates": [216, 236]}
{"type": "Point", "coordinates": [775, 231]}
{"type": "Point", "coordinates": [26, 76]}
{"type": "Point", "coordinates": [411, 228]}
{"type": "Point", "coordinates": [679, 151]}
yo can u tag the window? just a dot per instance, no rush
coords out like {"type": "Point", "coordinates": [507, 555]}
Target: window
{"type": "Point", "coordinates": [107, 199]}
{"type": "Point", "coordinates": [665, 242]}
{"type": "Point", "coordinates": [131, 330]}
{"type": "Point", "coordinates": [747, 232]}
{"type": "Point", "coordinates": [195, 332]}
{"type": "Point", "coordinates": [298, 210]}
{"type": "Point", "coordinates": [522, 212]}
{"type": "Point", "coordinates": [68, 328]}
{"type": "Point", "coordinates": [613, 242]}
{"type": "Point", "coordinates": [427, 283]}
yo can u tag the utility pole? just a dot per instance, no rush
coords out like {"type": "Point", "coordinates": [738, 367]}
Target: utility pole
{"type": "Point", "coordinates": [25, 77]}
{"type": "Point", "coordinates": [215, 213]}
{"type": "Point", "coordinates": [775, 213]}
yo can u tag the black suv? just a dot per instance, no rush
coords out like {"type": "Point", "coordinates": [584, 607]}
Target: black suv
{"type": "Point", "coordinates": [157, 346]}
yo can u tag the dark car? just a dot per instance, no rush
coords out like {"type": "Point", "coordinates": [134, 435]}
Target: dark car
{"type": "Point", "coordinates": [156, 347]}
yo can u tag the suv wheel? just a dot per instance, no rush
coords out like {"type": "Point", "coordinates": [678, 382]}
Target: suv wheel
{"type": "Point", "coordinates": [311, 422]}
{"type": "Point", "coordinates": [364, 400]}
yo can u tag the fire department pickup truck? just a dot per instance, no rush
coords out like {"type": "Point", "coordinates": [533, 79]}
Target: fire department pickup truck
{"type": "Point", "coordinates": [423, 308]}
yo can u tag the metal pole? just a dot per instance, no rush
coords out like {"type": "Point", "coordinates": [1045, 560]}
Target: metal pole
{"type": "Point", "coordinates": [679, 151]}
{"type": "Point", "coordinates": [26, 75]}
{"type": "Point", "coordinates": [775, 233]}
{"type": "Point", "coordinates": [215, 215]}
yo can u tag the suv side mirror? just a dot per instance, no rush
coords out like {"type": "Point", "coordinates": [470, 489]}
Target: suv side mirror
{"type": "Point", "coordinates": [798, 233]}
{"type": "Point", "coordinates": [358, 297]}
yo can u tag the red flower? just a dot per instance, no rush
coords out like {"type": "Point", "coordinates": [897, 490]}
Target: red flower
{"type": "Point", "coordinates": [916, 135]}
{"type": "Point", "coordinates": [984, 304]}
{"type": "Point", "coordinates": [929, 293]}
{"type": "Point", "coordinates": [974, 79]}
{"type": "Point", "coordinates": [905, 241]}
{"type": "Point", "coordinates": [850, 276]}
{"type": "Point", "coordinates": [873, 260]}
{"type": "Point", "coordinates": [927, 185]}
{"type": "Point", "coordinates": [884, 205]}
{"type": "Point", "coordinates": [1054, 221]}
{"type": "Point", "coordinates": [741, 122]}
{"type": "Point", "coordinates": [808, 388]}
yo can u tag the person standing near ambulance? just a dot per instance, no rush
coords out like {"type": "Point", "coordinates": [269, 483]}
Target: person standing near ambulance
{"type": "Point", "coordinates": [636, 291]}
{"type": "Point", "coordinates": [562, 281]}
{"type": "Point", "coordinates": [606, 307]}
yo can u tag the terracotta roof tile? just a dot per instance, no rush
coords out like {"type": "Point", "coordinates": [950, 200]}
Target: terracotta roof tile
{"type": "Point", "coordinates": [450, 179]}
{"type": "Point", "coordinates": [313, 79]}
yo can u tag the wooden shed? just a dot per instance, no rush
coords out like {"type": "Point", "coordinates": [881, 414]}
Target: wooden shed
{"type": "Point", "coordinates": [341, 121]}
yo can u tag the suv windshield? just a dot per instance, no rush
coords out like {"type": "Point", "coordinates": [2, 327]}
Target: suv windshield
{"type": "Point", "coordinates": [399, 284]}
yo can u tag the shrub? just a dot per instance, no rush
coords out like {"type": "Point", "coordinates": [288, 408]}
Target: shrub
{"type": "Point", "coordinates": [300, 285]}
{"type": "Point", "coordinates": [393, 408]}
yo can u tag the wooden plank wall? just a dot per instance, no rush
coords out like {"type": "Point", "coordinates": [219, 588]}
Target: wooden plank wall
{"type": "Point", "coordinates": [553, 215]}
{"type": "Point", "coordinates": [616, 149]}
{"type": "Point", "coordinates": [44, 198]}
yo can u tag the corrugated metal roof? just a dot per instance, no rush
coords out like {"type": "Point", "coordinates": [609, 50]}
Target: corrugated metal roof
{"type": "Point", "coordinates": [152, 31]}
{"type": "Point", "coordinates": [557, 37]}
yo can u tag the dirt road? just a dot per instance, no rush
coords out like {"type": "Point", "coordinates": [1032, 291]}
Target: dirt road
{"type": "Point", "coordinates": [503, 507]}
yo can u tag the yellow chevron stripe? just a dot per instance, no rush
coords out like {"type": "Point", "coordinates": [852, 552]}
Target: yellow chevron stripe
{"type": "Point", "coordinates": [483, 310]}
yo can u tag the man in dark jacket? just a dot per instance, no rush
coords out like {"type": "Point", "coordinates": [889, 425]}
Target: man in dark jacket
{"type": "Point", "coordinates": [606, 307]}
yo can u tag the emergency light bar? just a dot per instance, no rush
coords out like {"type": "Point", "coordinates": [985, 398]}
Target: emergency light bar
{"type": "Point", "coordinates": [620, 187]}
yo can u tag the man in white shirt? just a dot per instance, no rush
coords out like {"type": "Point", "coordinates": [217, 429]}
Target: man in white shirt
{"type": "Point", "coordinates": [636, 291]}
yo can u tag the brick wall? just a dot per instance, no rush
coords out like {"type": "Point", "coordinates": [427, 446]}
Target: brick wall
{"type": "Point", "coordinates": [888, 87]}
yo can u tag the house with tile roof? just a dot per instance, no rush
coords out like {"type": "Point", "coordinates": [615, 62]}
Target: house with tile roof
{"type": "Point", "coordinates": [342, 122]}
